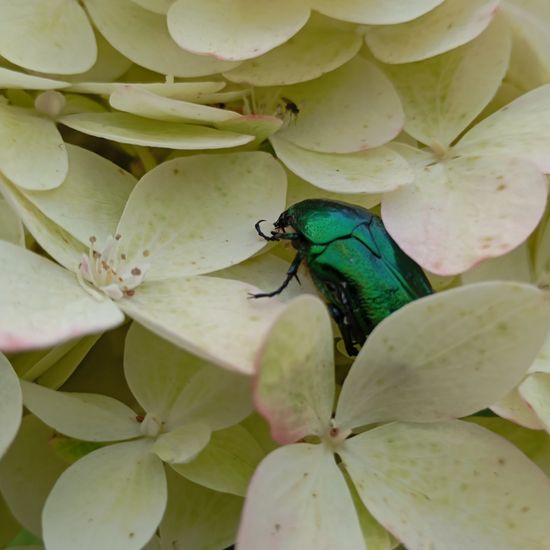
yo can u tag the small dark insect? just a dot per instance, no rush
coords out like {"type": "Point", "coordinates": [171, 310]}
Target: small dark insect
{"type": "Point", "coordinates": [358, 268]}
{"type": "Point", "coordinates": [290, 106]}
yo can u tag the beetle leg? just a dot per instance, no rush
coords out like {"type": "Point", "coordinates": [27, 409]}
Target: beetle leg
{"type": "Point", "coordinates": [340, 320]}
{"type": "Point", "coordinates": [262, 234]}
{"type": "Point", "coordinates": [290, 274]}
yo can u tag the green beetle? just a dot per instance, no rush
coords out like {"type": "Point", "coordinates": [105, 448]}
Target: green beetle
{"type": "Point", "coordinates": [358, 268]}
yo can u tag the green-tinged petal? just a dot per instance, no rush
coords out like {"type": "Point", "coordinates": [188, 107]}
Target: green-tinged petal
{"type": "Point", "coordinates": [197, 214]}
{"type": "Point", "coordinates": [213, 318]}
{"type": "Point", "coordinates": [143, 38]}
{"type": "Point", "coordinates": [112, 498]}
{"type": "Point", "coordinates": [442, 95]}
{"type": "Point", "coordinates": [453, 23]}
{"type": "Point", "coordinates": [542, 361]}
{"type": "Point", "coordinates": [318, 48]}
{"type": "Point", "coordinates": [32, 152]}
{"type": "Point", "coordinates": [535, 390]}
{"type": "Point", "coordinates": [126, 128]}
{"type": "Point", "coordinates": [260, 126]}
{"type": "Point", "coordinates": [374, 171]}
{"type": "Point", "coordinates": [28, 472]}
{"type": "Point", "coordinates": [42, 304]}
{"type": "Point", "coordinates": [11, 404]}
{"type": "Point", "coordinates": [198, 518]}
{"type": "Point", "coordinates": [47, 36]}
{"type": "Point", "coordinates": [156, 6]}
{"type": "Point", "coordinates": [350, 109]}
{"type": "Point", "coordinates": [295, 385]}
{"type": "Point", "coordinates": [267, 272]}
{"type": "Point", "coordinates": [11, 228]}
{"type": "Point", "coordinates": [535, 444]}
{"type": "Point", "coordinates": [449, 485]}
{"type": "Point", "coordinates": [446, 356]}
{"type": "Point", "coordinates": [141, 102]}
{"type": "Point", "coordinates": [213, 397]}
{"type": "Point", "coordinates": [91, 199]}
{"type": "Point", "coordinates": [542, 255]}
{"type": "Point", "coordinates": [514, 266]}
{"type": "Point", "coordinates": [299, 190]}
{"type": "Point", "coordinates": [236, 30]}
{"type": "Point", "coordinates": [17, 80]}
{"type": "Point", "coordinates": [373, 12]}
{"type": "Point", "coordinates": [182, 444]}
{"type": "Point", "coordinates": [299, 499]}
{"type": "Point", "coordinates": [227, 463]}
{"type": "Point", "coordinates": [190, 91]}
{"type": "Point", "coordinates": [59, 244]}
{"type": "Point", "coordinates": [86, 416]}
{"type": "Point", "coordinates": [513, 407]}
{"type": "Point", "coordinates": [520, 129]}
{"type": "Point", "coordinates": [464, 210]}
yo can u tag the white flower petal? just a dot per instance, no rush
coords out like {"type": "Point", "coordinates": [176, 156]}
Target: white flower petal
{"type": "Point", "coordinates": [446, 356]}
{"type": "Point", "coordinates": [227, 462]}
{"type": "Point", "coordinates": [28, 472]}
{"type": "Point", "coordinates": [42, 304]}
{"type": "Point", "coordinates": [260, 126]}
{"type": "Point", "coordinates": [235, 31]}
{"type": "Point", "coordinates": [11, 404]}
{"type": "Point", "coordinates": [299, 499]}
{"type": "Point", "coordinates": [442, 95]}
{"type": "Point", "coordinates": [156, 6]}
{"type": "Point", "coordinates": [11, 228]}
{"type": "Point", "coordinates": [85, 416]}
{"type": "Point", "coordinates": [350, 109]}
{"type": "Point", "coordinates": [213, 318]}
{"type": "Point", "coordinates": [542, 254]}
{"type": "Point", "coordinates": [17, 80]}
{"type": "Point", "coordinates": [321, 46]}
{"type": "Point", "coordinates": [144, 39]}
{"type": "Point", "coordinates": [377, 170]}
{"type": "Point", "coordinates": [141, 102]}
{"type": "Point", "coordinates": [91, 199]}
{"type": "Point", "coordinates": [520, 129]}
{"type": "Point", "coordinates": [449, 25]}
{"type": "Point", "coordinates": [449, 485]}
{"type": "Point", "coordinates": [197, 214]}
{"type": "Point", "coordinates": [535, 390]}
{"type": "Point", "coordinates": [32, 152]}
{"type": "Point", "coordinates": [374, 12]}
{"type": "Point", "coordinates": [294, 389]}
{"type": "Point", "coordinates": [465, 210]}
{"type": "Point", "coordinates": [47, 36]}
{"type": "Point", "coordinates": [126, 128]}
{"type": "Point", "coordinates": [198, 518]}
{"type": "Point", "coordinates": [112, 498]}
{"type": "Point", "coordinates": [513, 407]}
{"type": "Point", "coordinates": [182, 444]}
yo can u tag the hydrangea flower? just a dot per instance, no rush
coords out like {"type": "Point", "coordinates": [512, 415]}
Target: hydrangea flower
{"type": "Point", "coordinates": [122, 486]}
{"type": "Point", "coordinates": [480, 195]}
{"type": "Point", "coordinates": [394, 433]}
{"type": "Point", "coordinates": [187, 217]}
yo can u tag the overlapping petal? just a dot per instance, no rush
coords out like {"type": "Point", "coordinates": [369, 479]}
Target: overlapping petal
{"type": "Point", "coordinates": [235, 31]}
{"type": "Point", "coordinates": [406, 474]}
{"type": "Point", "coordinates": [16, 80]}
{"type": "Point", "coordinates": [451, 24]}
{"type": "Point", "coordinates": [182, 444]}
{"type": "Point", "coordinates": [295, 382]}
{"type": "Point", "coordinates": [513, 407]}
{"type": "Point", "coordinates": [535, 390]}
{"type": "Point", "coordinates": [46, 36]}
{"type": "Point", "coordinates": [58, 308]}
{"type": "Point", "coordinates": [11, 404]}
{"type": "Point", "coordinates": [11, 228]}
{"type": "Point", "coordinates": [121, 487]}
{"type": "Point", "coordinates": [299, 499]}
{"type": "Point", "coordinates": [446, 356]}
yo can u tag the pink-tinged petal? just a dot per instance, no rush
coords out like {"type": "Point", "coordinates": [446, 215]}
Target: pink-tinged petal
{"type": "Point", "coordinates": [514, 408]}
{"type": "Point", "coordinates": [449, 485]}
{"type": "Point", "coordinates": [295, 383]}
{"type": "Point", "coordinates": [234, 30]}
{"type": "Point", "coordinates": [464, 210]}
{"type": "Point", "coordinates": [298, 499]}
{"type": "Point", "coordinates": [42, 304]}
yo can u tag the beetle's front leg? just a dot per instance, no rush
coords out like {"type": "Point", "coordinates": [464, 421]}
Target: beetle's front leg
{"type": "Point", "coordinates": [290, 274]}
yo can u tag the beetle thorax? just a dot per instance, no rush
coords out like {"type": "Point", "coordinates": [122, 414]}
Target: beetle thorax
{"type": "Point", "coordinates": [108, 269]}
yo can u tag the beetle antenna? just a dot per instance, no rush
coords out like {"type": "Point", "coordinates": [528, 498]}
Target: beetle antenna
{"type": "Point", "coordinates": [262, 234]}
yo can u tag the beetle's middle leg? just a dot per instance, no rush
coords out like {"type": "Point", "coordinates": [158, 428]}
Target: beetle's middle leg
{"type": "Point", "coordinates": [290, 274]}
{"type": "Point", "coordinates": [345, 329]}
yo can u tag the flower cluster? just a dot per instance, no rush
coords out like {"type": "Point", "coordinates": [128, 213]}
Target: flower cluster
{"type": "Point", "coordinates": [148, 400]}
